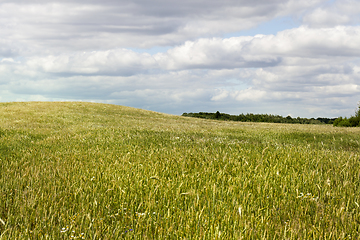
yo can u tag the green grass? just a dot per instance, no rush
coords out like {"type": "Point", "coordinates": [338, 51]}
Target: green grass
{"type": "Point", "coordinates": [96, 171]}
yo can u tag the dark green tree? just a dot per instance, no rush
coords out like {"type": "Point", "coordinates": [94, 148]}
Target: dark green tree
{"type": "Point", "coordinates": [217, 115]}
{"type": "Point", "coordinates": [357, 112]}
{"type": "Point", "coordinates": [353, 121]}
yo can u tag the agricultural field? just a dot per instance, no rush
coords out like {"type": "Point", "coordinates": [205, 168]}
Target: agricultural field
{"type": "Point", "coordinates": [74, 170]}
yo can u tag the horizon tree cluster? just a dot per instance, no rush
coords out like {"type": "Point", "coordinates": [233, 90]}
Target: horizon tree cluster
{"type": "Point", "coordinates": [353, 121]}
{"type": "Point", "coordinates": [250, 117]}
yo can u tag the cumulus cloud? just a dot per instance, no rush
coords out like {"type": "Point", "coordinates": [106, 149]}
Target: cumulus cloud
{"type": "Point", "coordinates": [285, 48]}
{"type": "Point", "coordinates": [296, 47]}
{"type": "Point", "coordinates": [344, 12]}
{"type": "Point", "coordinates": [120, 62]}
{"type": "Point", "coordinates": [37, 27]}
{"type": "Point", "coordinates": [214, 53]}
{"type": "Point", "coordinates": [91, 50]}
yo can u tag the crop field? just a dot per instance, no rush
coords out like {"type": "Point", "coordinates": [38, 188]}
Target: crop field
{"type": "Point", "coordinates": [73, 170]}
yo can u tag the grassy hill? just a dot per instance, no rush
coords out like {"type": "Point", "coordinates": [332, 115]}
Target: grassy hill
{"type": "Point", "coordinates": [73, 170]}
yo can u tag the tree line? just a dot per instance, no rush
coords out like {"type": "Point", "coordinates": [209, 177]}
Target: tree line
{"type": "Point", "coordinates": [353, 121]}
{"type": "Point", "coordinates": [250, 117]}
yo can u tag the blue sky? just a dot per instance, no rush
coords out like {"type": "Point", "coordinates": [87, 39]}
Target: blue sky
{"type": "Point", "coordinates": [286, 57]}
{"type": "Point", "coordinates": [270, 27]}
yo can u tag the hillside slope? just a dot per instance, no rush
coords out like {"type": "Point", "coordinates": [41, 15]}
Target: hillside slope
{"type": "Point", "coordinates": [100, 171]}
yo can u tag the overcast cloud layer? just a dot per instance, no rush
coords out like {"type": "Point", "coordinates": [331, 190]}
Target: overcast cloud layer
{"type": "Point", "coordinates": [185, 56]}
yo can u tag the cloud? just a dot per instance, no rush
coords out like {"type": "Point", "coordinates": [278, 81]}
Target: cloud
{"type": "Point", "coordinates": [121, 62]}
{"type": "Point", "coordinates": [249, 94]}
{"type": "Point", "coordinates": [344, 12]}
{"type": "Point", "coordinates": [296, 47]}
{"type": "Point", "coordinates": [323, 18]}
{"type": "Point", "coordinates": [92, 50]}
{"type": "Point", "coordinates": [290, 66]}
{"type": "Point", "coordinates": [286, 48]}
{"type": "Point", "coordinates": [213, 53]}
{"type": "Point", "coordinates": [53, 27]}
{"type": "Point", "coordinates": [8, 61]}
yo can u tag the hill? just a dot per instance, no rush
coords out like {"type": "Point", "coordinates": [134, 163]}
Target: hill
{"type": "Point", "coordinates": [98, 171]}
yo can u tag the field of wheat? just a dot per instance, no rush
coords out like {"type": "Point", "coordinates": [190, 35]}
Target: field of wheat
{"type": "Point", "coordinates": [73, 170]}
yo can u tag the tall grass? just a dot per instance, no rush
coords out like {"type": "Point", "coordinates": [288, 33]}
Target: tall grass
{"type": "Point", "coordinates": [96, 171]}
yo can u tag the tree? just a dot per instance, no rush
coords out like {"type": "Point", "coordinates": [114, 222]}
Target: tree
{"type": "Point", "coordinates": [337, 121]}
{"type": "Point", "coordinates": [353, 121]}
{"type": "Point", "coordinates": [357, 112]}
{"type": "Point", "coordinates": [217, 115]}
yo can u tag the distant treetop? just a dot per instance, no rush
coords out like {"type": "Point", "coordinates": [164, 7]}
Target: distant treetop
{"type": "Point", "coordinates": [250, 117]}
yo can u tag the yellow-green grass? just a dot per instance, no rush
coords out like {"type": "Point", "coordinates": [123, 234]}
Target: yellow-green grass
{"type": "Point", "coordinates": [73, 170]}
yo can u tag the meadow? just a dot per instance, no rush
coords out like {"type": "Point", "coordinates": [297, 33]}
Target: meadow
{"type": "Point", "coordinates": [74, 170]}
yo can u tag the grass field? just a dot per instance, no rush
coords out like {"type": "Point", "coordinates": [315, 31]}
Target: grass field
{"type": "Point", "coordinates": [94, 171]}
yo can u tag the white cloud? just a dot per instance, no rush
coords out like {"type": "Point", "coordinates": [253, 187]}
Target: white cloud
{"type": "Point", "coordinates": [7, 60]}
{"type": "Point", "coordinates": [343, 12]}
{"type": "Point", "coordinates": [220, 95]}
{"type": "Point", "coordinates": [266, 50]}
{"type": "Point", "coordinates": [323, 18]}
{"type": "Point", "coordinates": [249, 94]}
{"type": "Point", "coordinates": [286, 48]}
{"type": "Point", "coordinates": [338, 90]}
{"type": "Point", "coordinates": [89, 50]}
{"type": "Point", "coordinates": [53, 27]}
{"type": "Point", "coordinates": [311, 43]}
{"type": "Point", "coordinates": [117, 61]}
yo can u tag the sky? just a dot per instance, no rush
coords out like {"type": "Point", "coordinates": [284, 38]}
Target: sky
{"type": "Point", "coordinates": [283, 57]}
